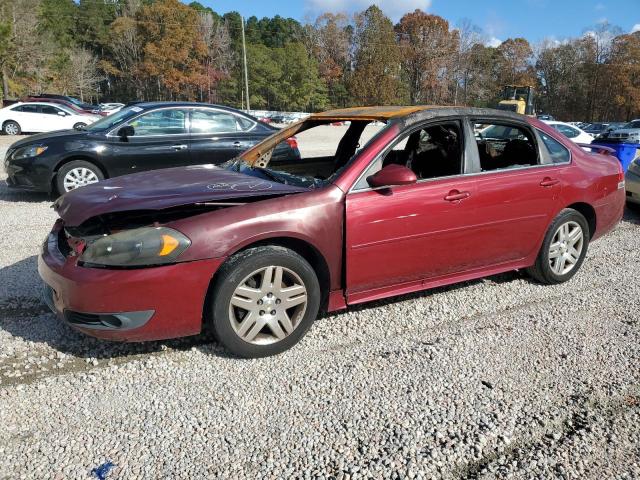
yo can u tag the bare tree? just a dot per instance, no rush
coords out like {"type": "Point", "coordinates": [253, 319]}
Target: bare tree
{"type": "Point", "coordinates": [220, 56]}
{"type": "Point", "coordinates": [85, 75]}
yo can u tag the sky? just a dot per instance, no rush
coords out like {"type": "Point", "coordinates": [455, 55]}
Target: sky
{"type": "Point", "coordinates": [534, 20]}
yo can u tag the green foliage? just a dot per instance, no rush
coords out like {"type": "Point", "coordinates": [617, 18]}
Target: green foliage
{"type": "Point", "coordinates": [57, 18]}
{"type": "Point", "coordinates": [125, 50]}
{"type": "Point", "coordinates": [376, 79]}
{"type": "Point", "coordinates": [284, 78]}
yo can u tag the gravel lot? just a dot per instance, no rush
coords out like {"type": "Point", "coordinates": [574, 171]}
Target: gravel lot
{"type": "Point", "coordinates": [499, 377]}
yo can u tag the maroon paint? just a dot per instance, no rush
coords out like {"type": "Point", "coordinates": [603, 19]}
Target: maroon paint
{"type": "Point", "coordinates": [154, 191]}
{"type": "Point", "coordinates": [398, 240]}
{"type": "Point", "coordinates": [392, 176]}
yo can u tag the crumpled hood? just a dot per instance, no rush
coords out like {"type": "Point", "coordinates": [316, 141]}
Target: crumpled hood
{"type": "Point", "coordinates": [160, 189]}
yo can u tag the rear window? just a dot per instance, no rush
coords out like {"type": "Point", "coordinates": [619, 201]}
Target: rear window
{"type": "Point", "coordinates": [558, 152]}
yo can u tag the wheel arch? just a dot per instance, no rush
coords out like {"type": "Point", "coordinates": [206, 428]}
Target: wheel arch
{"type": "Point", "coordinates": [588, 212]}
{"type": "Point", "coordinates": [4, 122]}
{"type": "Point", "coordinates": [72, 158]}
{"type": "Point", "coordinates": [302, 247]}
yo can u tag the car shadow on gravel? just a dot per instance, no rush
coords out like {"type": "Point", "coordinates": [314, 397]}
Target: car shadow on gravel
{"type": "Point", "coordinates": [23, 314]}
{"type": "Point", "coordinates": [632, 215]}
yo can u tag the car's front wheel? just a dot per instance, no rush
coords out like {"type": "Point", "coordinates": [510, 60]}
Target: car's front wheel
{"type": "Point", "coordinates": [563, 249]}
{"type": "Point", "coordinates": [264, 300]}
{"type": "Point", "coordinates": [11, 128]}
{"type": "Point", "coordinates": [79, 126]}
{"type": "Point", "coordinates": [75, 174]}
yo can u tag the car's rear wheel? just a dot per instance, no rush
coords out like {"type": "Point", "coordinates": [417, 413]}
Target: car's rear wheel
{"type": "Point", "coordinates": [563, 249]}
{"type": "Point", "coordinates": [264, 300]}
{"type": "Point", "coordinates": [11, 128]}
{"type": "Point", "coordinates": [75, 174]}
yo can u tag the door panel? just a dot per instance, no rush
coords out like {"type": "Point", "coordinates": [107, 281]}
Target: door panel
{"type": "Point", "coordinates": [514, 209]}
{"type": "Point", "coordinates": [410, 233]}
{"type": "Point", "coordinates": [160, 140]}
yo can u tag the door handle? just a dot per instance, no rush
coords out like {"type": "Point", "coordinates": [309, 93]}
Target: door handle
{"type": "Point", "coordinates": [456, 196]}
{"type": "Point", "coordinates": [179, 147]}
{"type": "Point", "coordinates": [549, 182]}
{"type": "Point", "coordinates": [237, 144]}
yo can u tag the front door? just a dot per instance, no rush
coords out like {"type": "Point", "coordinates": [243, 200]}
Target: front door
{"type": "Point", "coordinates": [400, 237]}
{"type": "Point", "coordinates": [160, 140]}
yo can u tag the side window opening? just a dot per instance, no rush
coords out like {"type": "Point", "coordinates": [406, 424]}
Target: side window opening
{"type": "Point", "coordinates": [503, 146]}
{"type": "Point", "coordinates": [432, 151]}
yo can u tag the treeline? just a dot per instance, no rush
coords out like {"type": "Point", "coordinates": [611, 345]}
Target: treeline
{"type": "Point", "coordinates": [123, 50]}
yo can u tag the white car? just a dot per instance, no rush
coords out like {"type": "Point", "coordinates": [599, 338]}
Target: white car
{"type": "Point", "coordinates": [111, 108]}
{"type": "Point", "coordinates": [571, 131]}
{"type": "Point", "coordinates": [36, 117]}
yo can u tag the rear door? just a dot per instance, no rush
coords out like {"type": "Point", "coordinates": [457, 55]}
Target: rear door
{"type": "Point", "coordinates": [517, 191]}
{"type": "Point", "coordinates": [219, 135]}
{"type": "Point", "coordinates": [160, 140]}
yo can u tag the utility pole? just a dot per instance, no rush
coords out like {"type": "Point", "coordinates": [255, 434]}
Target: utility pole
{"type": "Point", "coordinates": [246, 74]}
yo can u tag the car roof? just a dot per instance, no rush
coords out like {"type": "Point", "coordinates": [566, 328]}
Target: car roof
{"type": "Point", "coordinates": [408, 112]}
{"type": "Point", "coordinates": [150, 105]}
{"type": "Point", "coordinates": [403, 115]}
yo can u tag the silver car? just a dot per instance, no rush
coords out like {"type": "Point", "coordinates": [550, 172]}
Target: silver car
{"type": "Point", "coordinates": [630, 133]}
{"type": "Point", "coordinates": [632, 183]}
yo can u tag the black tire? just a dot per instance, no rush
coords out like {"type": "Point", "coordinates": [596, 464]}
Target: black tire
{"type": "Point", "coordinates": [11, 128]}
{"type": "Point", "coordinates": [634, 207]}
{"type": "Point", "coordinates": [541, 270]}
{"type": "Point", "coordinates": [74, 164]}
{"type": "Point", "coordinates": [234, 272]}
{"type": "Point", "coordinates": [79, 125]}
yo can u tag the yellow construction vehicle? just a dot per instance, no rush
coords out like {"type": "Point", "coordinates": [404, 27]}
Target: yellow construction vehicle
{"type": "Point", "coordinates": [519, 99]}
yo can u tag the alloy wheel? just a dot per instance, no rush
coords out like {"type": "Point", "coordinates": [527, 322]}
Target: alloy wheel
{"type": "Point", "coordinates": [566, 247]}
{"type": "Point", "coordinates": [268, 305]}
{"type": "Point", "coordinates": [78, 177]}
{"type": "Point", "coordinates": [11, 129]}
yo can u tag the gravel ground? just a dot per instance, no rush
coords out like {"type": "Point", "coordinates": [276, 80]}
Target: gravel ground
{"type": "Point", "coordinates": [494, 378]}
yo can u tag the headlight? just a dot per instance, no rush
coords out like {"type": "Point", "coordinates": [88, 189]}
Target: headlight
{"type": "Point", "coordinates": [28, 152]}
{"type": "Point", "coordinates": [135, 248]}
{"type": "Point", "coordinates": [634, 167]}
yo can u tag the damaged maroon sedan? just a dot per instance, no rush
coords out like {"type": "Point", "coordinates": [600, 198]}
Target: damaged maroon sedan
{"type": "Point", "coordinates": [256, 250]}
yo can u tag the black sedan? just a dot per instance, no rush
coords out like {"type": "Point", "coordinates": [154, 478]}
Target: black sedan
{"type": "Point", "coordinates": [144, 136]}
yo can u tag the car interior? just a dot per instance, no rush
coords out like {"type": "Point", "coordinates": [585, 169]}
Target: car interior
{"type": "Point", "coordinates": [432, 151]}
{"type": "Point", "coordinates": [503, 146]}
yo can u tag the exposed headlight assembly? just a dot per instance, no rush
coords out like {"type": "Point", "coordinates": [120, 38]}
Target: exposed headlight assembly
{"type": "Point", "coordinates": [635, 167]}
{"type": "Point", "coordinates": [29, 152]}
{"type": "Point", "coordinates": [146, 246]}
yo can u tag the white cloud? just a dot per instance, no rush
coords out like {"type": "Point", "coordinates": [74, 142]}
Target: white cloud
{"type": "Point", "coordinates": [493, 42]}
{"type": "Point", "coordinates": [599, 7]}
{"type": "Point", "coordinates": [635, 28]}
{"type": "Point", "coordinates": [393, 8]}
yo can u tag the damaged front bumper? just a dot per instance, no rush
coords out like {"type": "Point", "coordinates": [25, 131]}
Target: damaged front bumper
{"type": "Point", "coordinates": [125, 304]}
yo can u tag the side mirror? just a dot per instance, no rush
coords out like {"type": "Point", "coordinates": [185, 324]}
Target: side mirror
{"type": "Point", "coordinates": [126, 132]}
{"type": "Point", "coordinates": [391, 176]}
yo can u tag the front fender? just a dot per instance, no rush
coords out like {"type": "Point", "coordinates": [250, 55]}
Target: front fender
{"type": "Point", "coordinates": [315, 217]}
